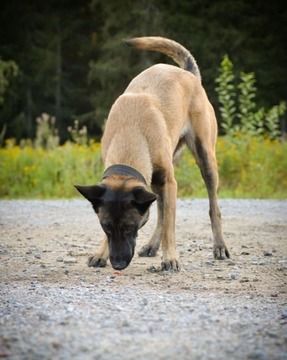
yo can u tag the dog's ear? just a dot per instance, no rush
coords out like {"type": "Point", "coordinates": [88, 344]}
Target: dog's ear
{"type": "Point", "coordinates": [143, 199]}
{"type": "Point", "coordinates": [93, 193]}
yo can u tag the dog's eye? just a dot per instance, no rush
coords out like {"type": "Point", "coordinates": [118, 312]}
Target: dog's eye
{"type": "Point", "coordinates": [107, 228]}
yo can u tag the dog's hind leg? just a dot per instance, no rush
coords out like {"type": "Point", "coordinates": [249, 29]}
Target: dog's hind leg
{"type": "Point", "coordinates": [206, 160]}
{"type": "Point", "coordinates": [101, 257]}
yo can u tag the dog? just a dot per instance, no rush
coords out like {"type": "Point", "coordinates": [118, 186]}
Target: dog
{"type": "Point", "coordinates": [163, 108]}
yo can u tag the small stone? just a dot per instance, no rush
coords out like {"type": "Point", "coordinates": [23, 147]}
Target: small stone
{"type": "Point", "coordinates": [209, 262]}
{"type": "Point", "coordinates": [43, 317]}
{"type": "Point", "coordinates": [153, 269]}
{"type": "Point", "coordinates": [271, 333]}
{"type": "Point", "coordinates": [56, 344]}
{"type": "Point", "coordinates": [70, 261]}
{"type": "Point", "coordinates": [245, 253]}
{"type": "Point", "coordinates": [282, 265]}
{"type": "Point", "coordinates": [230, 263]}
{"type": "Point", "coordinates": [267, 253]}
{"type": "Point", "coordinates": [262, 262]}
{"type": "Point", "coordinates": [60, 259]}
{"type": "Point", "coordinates": [217, 269]}
{"type": "Point", "coordinates": [233, 276]}
{"type": "Point", "coordinates": [257, 355]}
{"type": "Point", "coordinates": [37, 256]}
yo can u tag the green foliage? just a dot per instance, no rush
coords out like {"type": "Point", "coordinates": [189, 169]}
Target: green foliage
{"type": "Point", "coordinates": [30, 172]}
{"type": "Point", "coordinates": [73, 64]}
{"type": "Point", "coordinates": [226, 94]}
{"type": "Point", "coordinates": [238, 109]}
{"type": "Point", "coordinates": [246, 104]}
{"type": "Point", "coordinates": [8, 69]}
{"type": "Point", "coordinates": [271, 119]}
{"type": "Point", "coordinates": [248, 167]}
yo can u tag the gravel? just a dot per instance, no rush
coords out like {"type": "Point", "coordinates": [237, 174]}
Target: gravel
{"type": "Point", "coordinates": [52, 306]}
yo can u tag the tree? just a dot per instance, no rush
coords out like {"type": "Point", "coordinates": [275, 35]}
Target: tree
{"type": "Point", "coordinates": [250, 32]}
{"type": "Point", "coordinates": [52, 51]}
{"type": "Point", "coordinates": [117, 64]}
{"type": "Point", "coordinates": [72, 63]}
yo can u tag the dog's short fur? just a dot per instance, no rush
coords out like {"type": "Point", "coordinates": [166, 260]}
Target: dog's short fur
{"type": "Point", "coordinates": [161, 109]}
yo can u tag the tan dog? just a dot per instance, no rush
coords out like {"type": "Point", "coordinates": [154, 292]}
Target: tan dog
{"type": "Point", "coordinates": [162, 108]}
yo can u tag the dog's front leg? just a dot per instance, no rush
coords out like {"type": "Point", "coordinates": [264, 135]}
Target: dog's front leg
{"type": "Point", "coordinates": [151, 248]}
{"type": "Point", "coordinates": [101, 257]}
{"type": "Point", "coordinates": [166, 189]}
{"type": "Point", "coordinates": [167, 213]}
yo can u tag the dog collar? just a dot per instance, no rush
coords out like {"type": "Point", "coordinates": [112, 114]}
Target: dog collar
{"type": "Point", "coordinates": [125, 170]}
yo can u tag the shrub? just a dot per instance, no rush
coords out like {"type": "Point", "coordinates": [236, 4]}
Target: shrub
{"type": "Point", "coordinates": [238, 109]}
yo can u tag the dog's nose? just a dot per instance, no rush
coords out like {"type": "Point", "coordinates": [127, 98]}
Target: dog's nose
{"type": "Point", "coordinates": [118, 263]}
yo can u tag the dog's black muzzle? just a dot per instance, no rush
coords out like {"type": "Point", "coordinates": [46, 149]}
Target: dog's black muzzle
{"type": "Point", "coordinates": [119, 262]}
{"type": "Point", "coordinates": [121, 253]}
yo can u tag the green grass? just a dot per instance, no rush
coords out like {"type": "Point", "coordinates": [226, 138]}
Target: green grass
{"type": "Point", "coordinates": [248, 168]}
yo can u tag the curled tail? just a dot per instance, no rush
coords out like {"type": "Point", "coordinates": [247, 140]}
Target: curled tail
{"type": "Point", "coordinates": [168, 47]}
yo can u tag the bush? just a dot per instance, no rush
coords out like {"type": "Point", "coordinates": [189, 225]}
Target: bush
{"type": "Point", "coordinates": [238, 109]}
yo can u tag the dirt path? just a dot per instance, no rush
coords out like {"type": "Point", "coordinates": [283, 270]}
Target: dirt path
{"type": "Point", "coordinates": [52, 306]}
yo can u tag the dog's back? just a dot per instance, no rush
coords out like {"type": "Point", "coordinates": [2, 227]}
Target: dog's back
{"type": "Point", "coordinates": [168, 47]}
{"type": "Point", "coordinates": [157, 101]}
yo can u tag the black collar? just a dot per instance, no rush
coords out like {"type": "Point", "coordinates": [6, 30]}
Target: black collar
{"type": "Point", "coordinates": [125, 170]}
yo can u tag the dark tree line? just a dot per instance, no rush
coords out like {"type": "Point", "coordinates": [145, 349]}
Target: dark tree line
{"type": "Point", "coordinates": [72, 63]}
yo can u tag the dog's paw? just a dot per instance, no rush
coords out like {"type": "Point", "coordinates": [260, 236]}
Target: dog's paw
{"type": "Point", "coordinates": [220, 253]}
{"type": "Point", "coordinates": [147, 251]}
{"type": "Point", "coordinates": [96, 261]}
{"type": "Point", "coordinates": [170, 265]}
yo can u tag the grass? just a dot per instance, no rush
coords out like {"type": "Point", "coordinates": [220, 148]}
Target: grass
{"type": "Point", "coordinates": [248, 168]}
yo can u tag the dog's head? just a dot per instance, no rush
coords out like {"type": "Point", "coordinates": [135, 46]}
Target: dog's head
{"type": "Point", "coordinates": [122, 211]}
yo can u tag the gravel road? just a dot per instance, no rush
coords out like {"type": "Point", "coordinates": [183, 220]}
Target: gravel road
{"type": "Point", "coordinates": [52, 306]}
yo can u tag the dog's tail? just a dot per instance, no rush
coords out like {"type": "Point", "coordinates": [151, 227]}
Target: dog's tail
{"type": "Point", "coordinates": [168, 47]}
